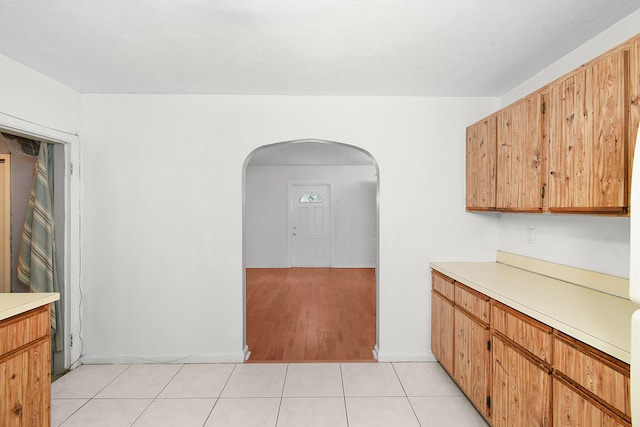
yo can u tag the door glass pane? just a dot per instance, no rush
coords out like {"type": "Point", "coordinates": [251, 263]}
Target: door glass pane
{"type": "Point", "coordinates": [311, 197]}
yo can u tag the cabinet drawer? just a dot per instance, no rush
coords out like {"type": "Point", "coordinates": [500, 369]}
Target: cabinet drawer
{"type": "Point", "coordinates": [601, 375]}
{"type": "Point", "coordinates": [22, 329]}
{"type": "Point", "coordinates": [533, 336]}
{"type": "Point", "coordinates": [472, 301]}
{"type": "Point", "coordinates": [442, 284]}
{"type": "Point", "coordinates": [573, 408]}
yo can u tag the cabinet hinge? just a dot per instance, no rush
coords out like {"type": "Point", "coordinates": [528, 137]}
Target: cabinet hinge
{"type": "Point", "coordinates": [542, 192]}
{"type": "Point", "coordinates": [543, 107]}
{"type": "Point", "coordinates": [489, 402]}
{"type": "Point", "coordinates": [489, 345]}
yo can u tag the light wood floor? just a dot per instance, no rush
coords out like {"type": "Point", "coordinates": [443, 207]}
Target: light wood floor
{"type": "Point", "coordinates": [311, 314]}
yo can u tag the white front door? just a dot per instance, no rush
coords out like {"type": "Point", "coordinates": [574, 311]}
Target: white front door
{"type": "Point", "coordinates": [310, 225]}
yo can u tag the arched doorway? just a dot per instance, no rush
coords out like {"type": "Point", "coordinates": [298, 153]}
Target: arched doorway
{"type": "Point", "coordinates": [289, 185]}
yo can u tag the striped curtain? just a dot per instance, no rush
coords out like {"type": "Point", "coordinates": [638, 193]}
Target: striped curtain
{"type": "Point", "coordinates": [36, 261]}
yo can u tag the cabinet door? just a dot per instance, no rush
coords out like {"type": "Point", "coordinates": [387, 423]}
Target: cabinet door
{"type": "Point", "coordinates": [442, 330]}
{"type": "Point", "coordinates": [588, 134]}
{"type": "Point", "coordinates": [472, 359]}
{"type": "Point", "coordinates": [519, 182]}
{"type": "Point", "coordinates": [25, 387]}
{"type": "Point", "coordinates": [481, 165]}
{"type": "Point", "coordinates": [521, 395]}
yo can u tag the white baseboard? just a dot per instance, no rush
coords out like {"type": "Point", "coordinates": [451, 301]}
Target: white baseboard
{"type": "Point", "coordinates": [333, 266]}
{"type": "Point", "coordinates": [99, 359]}
{"type": "Point", "coordinates": [405, 357]}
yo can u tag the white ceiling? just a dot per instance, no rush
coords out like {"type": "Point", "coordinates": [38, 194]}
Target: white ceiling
{"type": "Point", "coordinates": [298, 47]}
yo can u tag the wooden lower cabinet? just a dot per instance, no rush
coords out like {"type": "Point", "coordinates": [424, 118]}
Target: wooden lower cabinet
{"type": "Point", "coordinates": [25, 371]}
{"type": "Point", "coordinates": [521, 387]}
{"type": "Point", "coordinates": [596, 373]}
{"type": "Point", "coordinates": [571, 408]}
{"type": "Point", "coordinates": [519, 372]}
{"type": "Point", "coordinates": [472, 359]}
{"type": "Point", "coordinates": [442, 330]}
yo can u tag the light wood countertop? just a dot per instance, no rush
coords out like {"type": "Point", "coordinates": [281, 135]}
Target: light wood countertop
{"type": "Point", "coordinates": [598, 318]}
{"type": "Point", "coordinates": [18, 303]}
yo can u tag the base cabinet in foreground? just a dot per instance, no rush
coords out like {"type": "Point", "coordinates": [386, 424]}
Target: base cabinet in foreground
{"type": "Point", "coordinates": [519, 372]}
{"type": "Point", "coordinates": [25, 372]}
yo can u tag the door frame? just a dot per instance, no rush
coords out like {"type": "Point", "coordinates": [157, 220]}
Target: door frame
{"type": "Point", "coordinates": [70, 293]}
{"type": "Point", "coordinates": [290, 215]}
{"type": "Point", "coordinates": [247, 160]}
{"type": "Point", "coordinates": [5, 223]}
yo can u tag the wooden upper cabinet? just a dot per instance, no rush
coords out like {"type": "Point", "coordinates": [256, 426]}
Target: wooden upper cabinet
{"type": "Point", "coordinates": [519, 183]}
{"type": "Point", "coordinates": [588, 139]}
{"type": "Point", "coordinates": [567, 148]}
{"type": "Point", "coordinates": [481, 165]}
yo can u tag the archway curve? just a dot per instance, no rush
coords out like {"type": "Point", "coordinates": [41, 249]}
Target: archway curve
{"type": "Point", "coordinates": [302, 144]}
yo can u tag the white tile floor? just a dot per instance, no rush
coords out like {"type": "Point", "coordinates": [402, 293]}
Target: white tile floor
{"type": "Point", "coordinates": [323, 394]}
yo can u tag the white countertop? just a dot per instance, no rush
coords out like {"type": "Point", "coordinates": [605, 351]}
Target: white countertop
{"type": "Point", "coordinates": [18, 303]}
{"type": "Point", "coordinates": [600, 319]}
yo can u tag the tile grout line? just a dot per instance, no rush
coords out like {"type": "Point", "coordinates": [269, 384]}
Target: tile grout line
{"type": "Point", "coordinates": [110, 382]}
{"type": "Point", "coordinates": [344, 396]}
{"type": "Point", "coordinates": [153, 399]}
{"type": "Point", "coordinates": [406, 396]}
{"type": "Point", "coordinates": [286, 371]}
{"type": "Point", "coordinates": [94, 395]}
{"type": "Point", "coordinates": [235, 365]}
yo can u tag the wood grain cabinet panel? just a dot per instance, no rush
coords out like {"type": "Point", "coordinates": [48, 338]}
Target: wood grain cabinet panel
{"type": "Point", "coordinates": [588, 138]}
{"type": "Point", "coordinates": [472, 301]}
{"type": "Point", "coordinates": [472, 359]}
{"type": "Point", "coordinates": [442, 284]}
{"type": "Point", "coordinates": [25, 376]}
{"type": "Point", "coordinates": [21, 330]}
{"type": "Point", "coordinates": [574, 409]}
{"type": "Point", "coordinates": [533, 336]}
{"type": "Point", "coordinates": [442, 331]}
{"type": "Point", "coordinates": [601, 375]}
{"type": "Point", "coordinates": [481, 165]}
{"type": "Point", "coordinates": [521, 392]}
{"type": "Point", "coordinates": [519, 177]}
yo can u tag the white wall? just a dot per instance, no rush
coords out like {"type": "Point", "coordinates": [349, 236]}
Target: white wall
{"type": "Point", "coordinates": [34, 98]}
{"type": "Point", "coordinates": [595, 243]}
{"type": "Point", "coordinates": [585, 241]}
{"type": "Point", "coordinates": [354, 213]}
{"type": "Point", "coordinates": [162, 216]}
